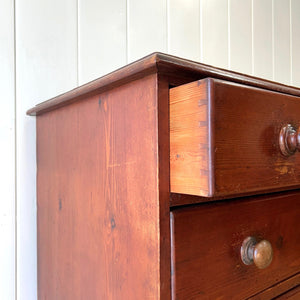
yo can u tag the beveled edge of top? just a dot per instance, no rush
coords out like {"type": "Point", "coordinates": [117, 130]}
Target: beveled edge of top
{"type": "Point", "coordinates": [156, 63]}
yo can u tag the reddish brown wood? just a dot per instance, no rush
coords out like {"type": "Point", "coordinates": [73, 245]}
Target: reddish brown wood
{"type": "Point", "coordinates": [163, 143]}
{"type": "Point", "coordinates": [164, 64]}
{"type": "Point", "coordinates": [294, 294]}
{"type": "Point", "coordinates": [207, 240]}
{"type": "Point", "coordinates": [101, 196]}
{"type": "Point", "coordinates": [225, 139]}
{"type": "Point", "coordinates": [103, 156]}
{"type": "Point", "coordinates": [278, 289]}
{"type": "Point", "coordinates": [184, 199]}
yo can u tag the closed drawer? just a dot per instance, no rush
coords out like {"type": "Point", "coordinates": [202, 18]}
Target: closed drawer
{"type": "Point", "coordinates": [224, 139]}
{"type": "Point", "coordinates": [207, 239]}
{"type": "Point", "coordinates": [294, 294]}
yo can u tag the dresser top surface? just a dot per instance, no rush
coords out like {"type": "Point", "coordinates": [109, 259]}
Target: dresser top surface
{"type": "Point", "coordinates": [162, 64]}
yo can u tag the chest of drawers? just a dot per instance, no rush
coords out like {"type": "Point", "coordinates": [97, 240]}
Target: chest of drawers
{"type": "Point", "coordinates": [169, 179]}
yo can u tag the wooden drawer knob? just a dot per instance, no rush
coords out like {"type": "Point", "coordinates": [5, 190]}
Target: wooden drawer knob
{"type": "Point", "coordinates": [289, 140]}
{"type": "Point", "coordinates": [259, 253]}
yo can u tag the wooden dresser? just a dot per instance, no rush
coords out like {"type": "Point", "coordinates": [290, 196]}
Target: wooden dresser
{"type": "Point", "coordinates": [169, 179]}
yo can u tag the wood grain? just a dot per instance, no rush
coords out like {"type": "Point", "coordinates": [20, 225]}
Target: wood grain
{"type": "Point", "coordinates": [190, 155]}
{"type": "Point", "coordinates": [101, 197]}
{"type": "Point", "coordinates": [278, 289]}
{"type": "Point", "coordinates": [294, 294]}
{"type": "Point", "coordinates": [163, 144]}
{"type": "Point", "coordinates": [104, 186]}
{"type": "Point", "coordinates": [207, 240]}
{"type": "Point", "coordinates": [224, 139]}
{"type": "Point", "coordinates": [156, 63]}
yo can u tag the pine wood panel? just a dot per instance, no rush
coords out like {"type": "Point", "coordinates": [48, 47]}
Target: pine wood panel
{"type": "Point", "coordinates": [207, 239]}
{"type": "Point", "coordinates": [101, 195]}
{"type": "Point", "coordinates": [225, 139]}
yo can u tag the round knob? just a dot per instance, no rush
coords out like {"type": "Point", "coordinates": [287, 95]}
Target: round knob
{"type": "Point", "coordinates": [289, 140]}
{"type": "Point", "coordinates": [261, 254]}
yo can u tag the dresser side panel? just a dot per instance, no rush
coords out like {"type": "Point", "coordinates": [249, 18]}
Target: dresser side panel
{"type": "Point", "coordinates": [98, 198]}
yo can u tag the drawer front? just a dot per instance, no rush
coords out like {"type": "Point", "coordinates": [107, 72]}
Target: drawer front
{"type": "Point", "coordinates": [277, 290]}
{"type": "Point", "coordinates": [294, 294]}
{"type": "Point", "coordinates": [207, 240]}
{"type": "Point", "coordinates": [224, 139]}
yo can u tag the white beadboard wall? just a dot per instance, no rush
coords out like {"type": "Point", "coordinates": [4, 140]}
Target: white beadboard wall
{"type": "Point", "coordinates": [48, 47]}
{"type": "Point", "coordinates": [7, 157]}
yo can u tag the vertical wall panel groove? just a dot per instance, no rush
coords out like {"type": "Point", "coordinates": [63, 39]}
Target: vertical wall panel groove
{"type": "Point", "coordinates": [60, 44]}
{"type": "Point", "coordinates": [215, 32]}
{"type": "Point", "coordinates": [46, 65]}
{"type": "Point", "coordinates": [229, 32]}
{"type": "Point", "coordinates": [168, 26]}
{"type": "Point", "coordinates": [295, 23]}
{"type": "Point", "coordinates": [281, 42]}
{"type": "Point", "coordinates": [184, 29]}
{"type": "Point", "coordinates": [262, 38]}
{"type": "Point", "coordinates": [7, 160]}
{"type": "Point", "coordinates": [102, 37]}
{"type": "Point", "coordinates": [127, 33]}
{"type": "Point", "coordinates": [201, 30]}
{"type": "Point", "coordinates": [273, 40]}
{"type": "Point", "coordinates": [240, 50]}
{"type": "Point", "coordinates": [15, 161]}
{"type": "Point", "coordinates": [147, 27]}
{"type": "Point", "coordinates": [252, 37]}
{"type": "Point", "coordinates": [291, 43]}
{"type": "Point", "coordinates": [77, 42]}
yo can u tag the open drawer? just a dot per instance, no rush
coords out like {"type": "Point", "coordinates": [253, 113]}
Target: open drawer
{"type": "Point", "coordinates": [232, 139]}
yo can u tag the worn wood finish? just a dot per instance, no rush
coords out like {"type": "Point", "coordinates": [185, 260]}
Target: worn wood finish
{"type": "Point", "coordinates": [104, 200]}
{"type": "Point", "coordinates": [100, 201]}
{"type": "Point", "coordinates": [207, 240]}
{"type": "Point", "coordinates": [225, 139]}
{"type": "Point", "coordinates": [163, 64]}
{"type": "Point", "coordinates": [278, 289]}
